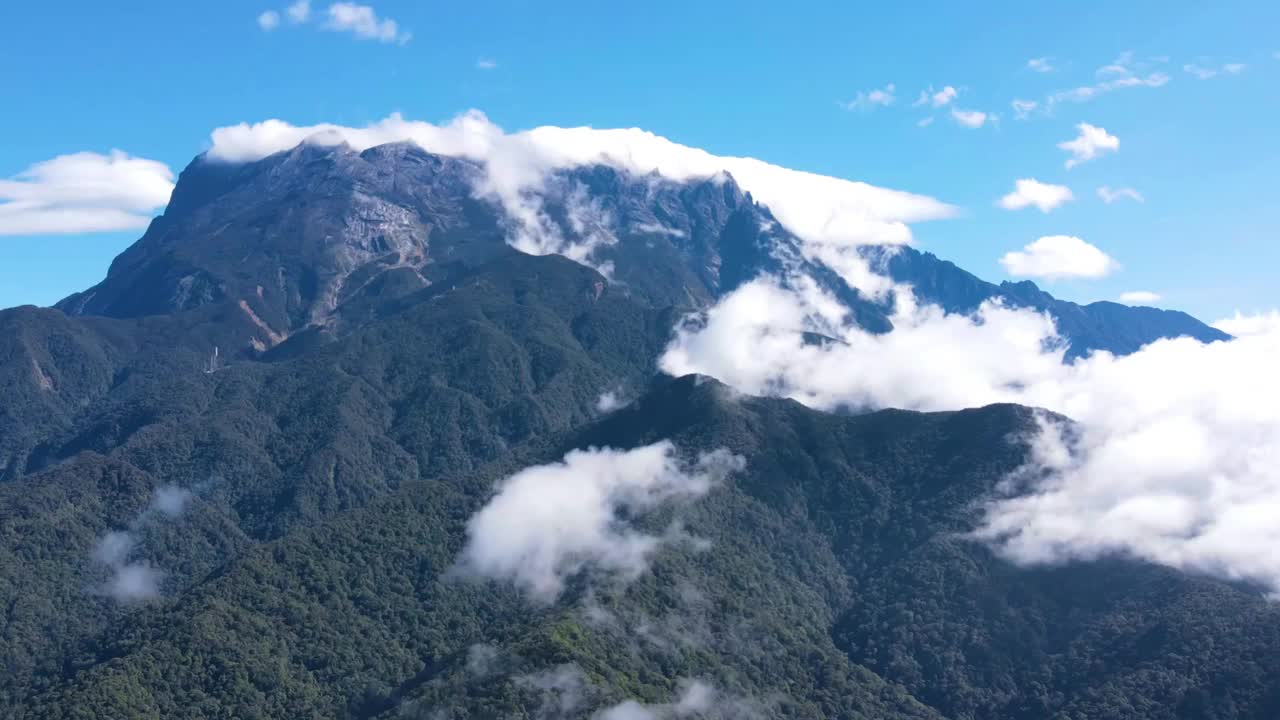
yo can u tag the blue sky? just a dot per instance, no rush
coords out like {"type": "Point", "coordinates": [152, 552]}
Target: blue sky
{"type": "Point", "coordinates": [765, 79]}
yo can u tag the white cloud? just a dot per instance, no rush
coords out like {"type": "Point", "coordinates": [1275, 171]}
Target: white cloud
{"type": "Point", "coordinates": [969, 118]}
{"type": "Point", "coordinates": [84, 192]}
{"type": "Point", "coordinates": [1110, 195]}
{"type": "Point", "coordinates": [363, 22]}
{"type": "Point", "coordinates": [924, 122]}
{"type": "Point", "coordinates": [269, 20]}
{"type": "Point", "coordinates": [1241, 325]}
{"type": "Point", "coordinates": [129, 581]}
{"type": "Point", "coordinates": [550, 522]}
{"type": "Point", "coordinates": [937, 98]}
{"type": "Point", "coordinates": [1177, 456]}
{"type": "Point", "coordinates": [1023, 108]}
{"type": "Point", "coordinates": [867, 100]}
{"type": "Point", "coordinates": [1202, 73]}
{"type": "Point", "coordinates": [833, 216]}
{"type": "Point", "coordinates": [1058, 256]}
{"type": "Point", "coordinates": [1139, 297]}
{"type": "Point", "coordinates": [299, 12]}
{"type": "Point", "coordinates": [753, 340]}
{"type": "Point", "coordinates": [1176, 461]}
{"type": "Point", "coordinates": [1040, 65]}
{"type": "Point", "coordinates": [1089, 144]}
{"type": "Point", "coordinates": [486, 64]}
{"type": "Point", "coordinates": [1234, 68]}
{"type": "Point", "coordinates": [1029, 191]}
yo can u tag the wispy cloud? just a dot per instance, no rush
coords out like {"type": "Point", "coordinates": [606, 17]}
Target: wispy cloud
{"type": "Point", "coordinates": [870, 99]}
{"type": "Point", "coordinates": [1202, 73]}
{"type": "Point", "coordinates": [84, 192]}
{"type": "Point", "coordinates": [1205, 72]}
{"type": "Point", "coordinates": [1123, 72]}
{"type": "Point", "coordinates": [1022, 109]}
{"type": "Point", "coordinates": [269, 20]}
{"type": "Point", "coordinates": [1110, 195]}
{"type": "Point", "coordinates": [1040, 65]}
{"type": "Point", "coordinates": [486, 64]}
{"type": "Point", "coordinates": [299, 12]}
{"type": "Point", "coordinates": [1139, 297]}
{"type": "Point", "coordinates": [133, 580]}
{"type": "Point", "coordinates": [1089, 144]}
{"type": "Point", "coordinates": [1029, 192]}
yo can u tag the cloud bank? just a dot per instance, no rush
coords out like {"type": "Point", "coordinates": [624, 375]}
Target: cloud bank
{"type": "Point", "coordinates": [1241, 325]}
{"type": "Point", "coordinates": [84, 192]}
{"type": "Point", "coordinates": [1176, 459]}
{"type": "Point", "coordinates": [550, 522]}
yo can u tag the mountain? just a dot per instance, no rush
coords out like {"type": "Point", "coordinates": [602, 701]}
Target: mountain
{"type": "Point", "coordinates": [1116, 328]}
{"type": "Point", "coordinates": [313, 236]}
{"type": "Point", "coordinates": [238, 478]}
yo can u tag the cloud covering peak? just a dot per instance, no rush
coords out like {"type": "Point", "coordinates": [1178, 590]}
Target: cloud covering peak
{"type": "Point", "coordinates": [816, 207]}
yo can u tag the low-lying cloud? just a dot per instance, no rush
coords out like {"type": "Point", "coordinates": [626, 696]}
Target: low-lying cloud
{"type": "Point", "coordinates": [550, 522]}
{"type": "Point", "coordinates": [130, 579]}
{"type": "Point", "coordinates": [697, 699]}
{"type": "Point", "coordinates": [84, 192]}
{"type": "Point", "coordinates": [1176, 460]}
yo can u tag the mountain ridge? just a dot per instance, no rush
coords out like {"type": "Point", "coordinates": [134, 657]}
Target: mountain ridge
{"type": "Point", "coordinates": [293, 237]}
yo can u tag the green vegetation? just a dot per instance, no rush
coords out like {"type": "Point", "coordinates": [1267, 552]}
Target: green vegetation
{"type": "Point", "coordinates": [314, 574]}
